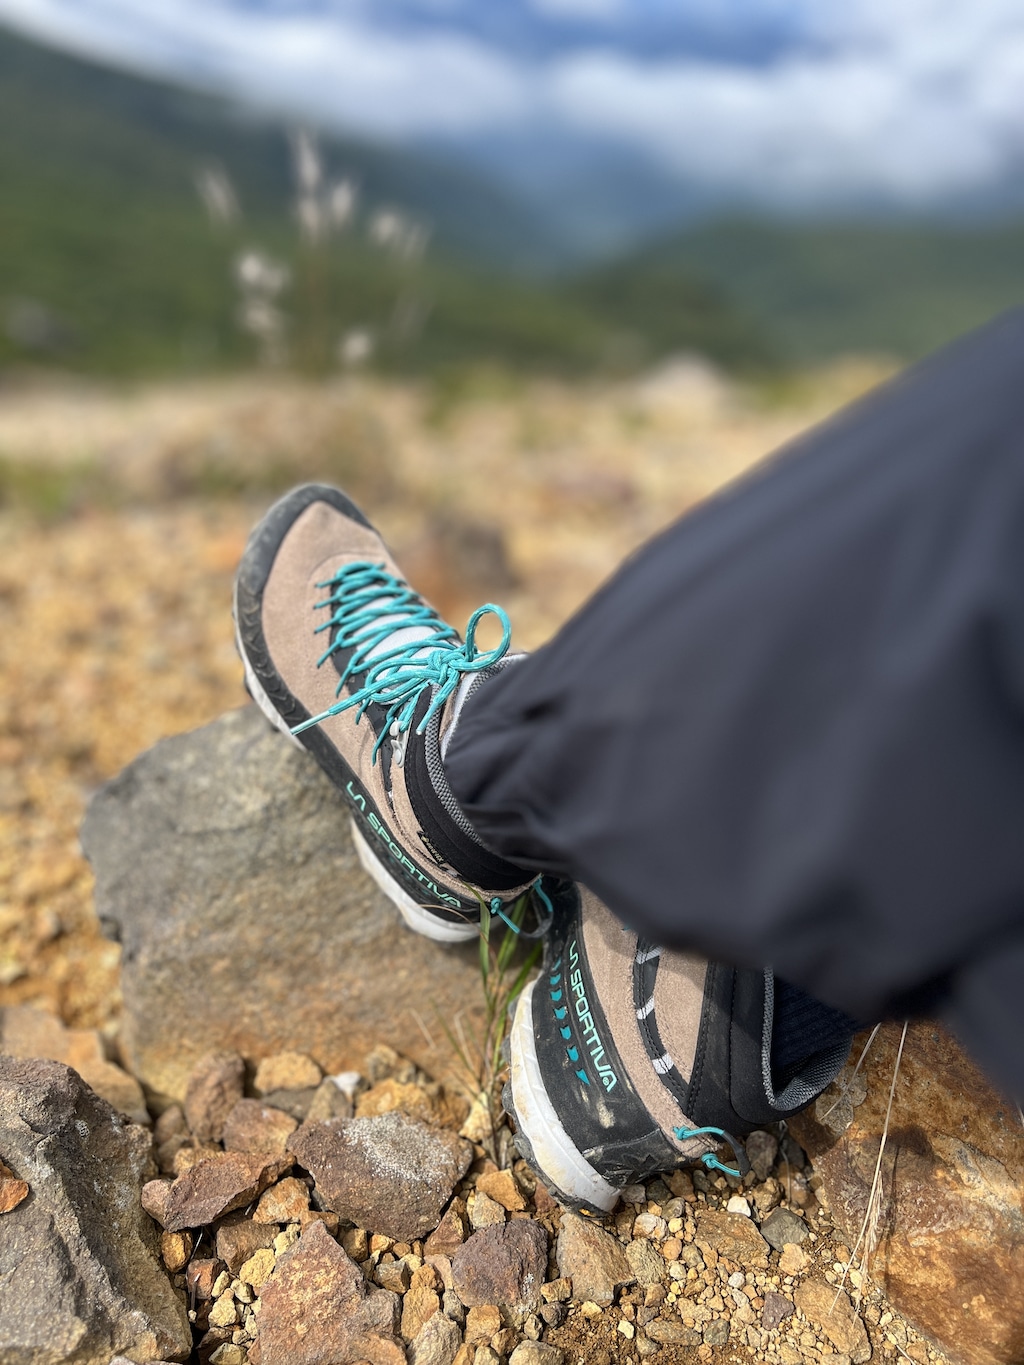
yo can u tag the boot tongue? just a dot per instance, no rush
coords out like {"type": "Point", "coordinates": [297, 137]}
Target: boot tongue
{"type": "Point", "coordinates": [402, 636]}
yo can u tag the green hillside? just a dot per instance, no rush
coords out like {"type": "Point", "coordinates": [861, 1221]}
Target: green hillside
{"type": "Point", "coordinates": [821, 289]}
{"type": "Point", "coordinates": [661, 308]}
{"type": "Point", "coordinates": [66, 117]}
{"type": "Point", "coordinates": [110, 264]}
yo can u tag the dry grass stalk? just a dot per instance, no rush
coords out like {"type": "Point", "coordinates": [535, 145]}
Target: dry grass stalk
{"type": "Point", "coordinates": [868, 1234]}
{"type": "Point", "coordinates": [845, 1084]}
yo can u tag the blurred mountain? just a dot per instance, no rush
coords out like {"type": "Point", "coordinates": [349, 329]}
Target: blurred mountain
{"type": "Point", "coordinates": [67, 119]}
{"type": "Point", "coordinates": [600, 198]}
{"type": "Point", "coordinates": [820, 289]}
{"type": "Point", "coordinates": [109, 261]}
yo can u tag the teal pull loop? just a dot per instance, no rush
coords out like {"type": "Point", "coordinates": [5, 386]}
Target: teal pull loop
{"type": "Point", "coordinates": [545, 923]}
{"type": "Point", "coordinates": [709, 1161]}
{"type": "Point", "coordinates": [496, 909]}
{"type": "Point", "coordinates": [712, 1163]}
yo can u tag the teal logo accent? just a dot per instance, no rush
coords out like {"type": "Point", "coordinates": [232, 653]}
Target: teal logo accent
{"type": "Point", "coordinates": [591, 1037]}
{"type": "Point", "coordinates": [556, 993]}
{"type": "Point", "coordinates": [406, 864]}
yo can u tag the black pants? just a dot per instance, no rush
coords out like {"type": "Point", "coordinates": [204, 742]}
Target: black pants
{"type": "Point", "coordinates": [790, 730]}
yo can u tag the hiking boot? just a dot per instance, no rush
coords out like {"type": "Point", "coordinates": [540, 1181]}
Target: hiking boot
{"type": "Point", "coordinates": [626, 1060]}
{"type": "Point", "coordinates": [344, 657]}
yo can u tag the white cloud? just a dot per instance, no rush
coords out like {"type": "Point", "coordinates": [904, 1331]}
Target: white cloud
{"type": "Point", "coordinates": [337, 71]}
{"type": "Point", "coordinates": [910, 100]}
{"type": "Point", "coordinates": [809, 129]}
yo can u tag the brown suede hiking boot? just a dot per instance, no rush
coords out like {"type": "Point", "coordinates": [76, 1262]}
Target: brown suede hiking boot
{"type": "Point", "coordinates": [341, 655]}
{"type": "Point", "coordinates": [626, 1060]}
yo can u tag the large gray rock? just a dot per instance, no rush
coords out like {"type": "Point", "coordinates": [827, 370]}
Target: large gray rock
{"type": "Point", "coordinates": [225, 866]}
{"type": "Point", "coordinates": [79, 1276]}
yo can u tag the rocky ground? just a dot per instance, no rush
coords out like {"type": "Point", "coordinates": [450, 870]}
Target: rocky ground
{"type": "Point", "coordinates": [372, 1216]}
{"type": "Point", "coordinates": [123, 524]}
{"type": "Point", "coordinates": [483, 1265]}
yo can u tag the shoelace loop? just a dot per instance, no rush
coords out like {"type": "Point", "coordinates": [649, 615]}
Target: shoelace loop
{"type": "Point", "coordinates": [711, 1162]}
{"type": "Point", "coordinates": [497, 908]}
{"type": "Point", "coordinates": [370, 605]}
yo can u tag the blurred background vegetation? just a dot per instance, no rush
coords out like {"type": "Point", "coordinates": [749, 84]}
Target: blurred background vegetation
{"type": "Point", "coordinates": [111, 265]}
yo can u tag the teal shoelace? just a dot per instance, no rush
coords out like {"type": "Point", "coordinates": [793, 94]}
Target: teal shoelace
{"type": "Point", "coordinates": [709, 1161]}
{"type": "Point", "coordinates": [368, 605]}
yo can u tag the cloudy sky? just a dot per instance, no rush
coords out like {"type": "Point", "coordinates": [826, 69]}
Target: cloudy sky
{"type": "Point", "coordinates": [790, 102]}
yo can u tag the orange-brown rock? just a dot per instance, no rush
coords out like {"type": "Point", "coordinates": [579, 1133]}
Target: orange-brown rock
{"type": "Point", "coordinates": [316, 1309]}
{"type": "Point", "coordinates": [830, 1309]}
{"type": "Point", "coordinates": [431, 1103]}
{"type": "Point", "coordinates": [330, 1220]}
{"type": "Point", "coordinates": [503, 1188]}
{"type": "Point", "coordinates": [592, 1259]}
{"type": "Point", "coordinates": [215, 1085]}
{"type": "Point", "coordinates": [950, 1251]}
{"type": "Point", "coordinates": [286, 1071]}
{"type": "Point", "coordinates": [12, 1190]}
{"type": "Point", "coordinates": [201, 1275]}
{"type": "Point", "coordinates": [217, 1186]}
{"type": "Point", "coordinates": [175, 1250]}
{"type": "Point", "coordinates": [449, 1234]}
{"type": "Point", "coordinates": [187, 1157]}
{"type": "Point", "coordinates": [733, 1236]}
{"type": "Point", "coordinates": [253, 1126]}
{"type": "Point", "coordinates": [482, 1321]}
{"type": "Point", "coordinates": [238, 1238]}
{"type": "Point", "coordinates": [284, 1202]}
{"type": "Point", "coordinates": [418, 1307]}
{"type": "Point", "coordinates": [154, 1198]}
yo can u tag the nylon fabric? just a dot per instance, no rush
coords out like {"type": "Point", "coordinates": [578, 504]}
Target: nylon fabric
{"type": "Point", "coordinates": [790, 731]}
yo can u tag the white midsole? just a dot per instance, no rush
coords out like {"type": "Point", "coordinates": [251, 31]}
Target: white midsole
{"type": "Point", "coordinates": [420, 920]}
{"type": "Point", "coordinates": [559, 1159]}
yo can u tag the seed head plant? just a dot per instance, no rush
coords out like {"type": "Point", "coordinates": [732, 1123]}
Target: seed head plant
{"type": "Point", "coordinates": [293, 308]}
